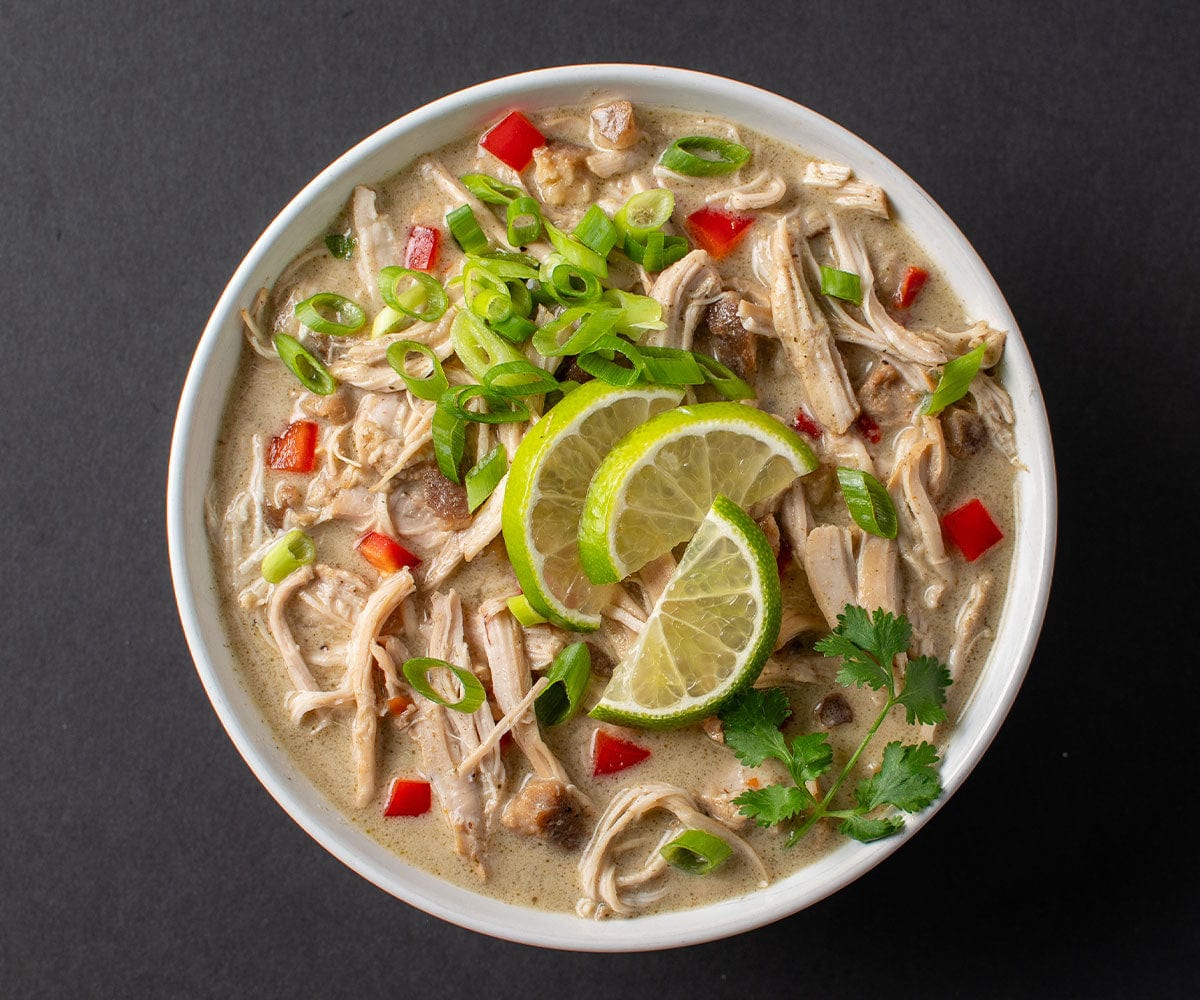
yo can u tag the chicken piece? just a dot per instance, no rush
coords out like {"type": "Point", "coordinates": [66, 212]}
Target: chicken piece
{"type": "Point", "coordinates": [770, 528]}
{"type": "Point", "coordinates": [994, 406]}
{"type": "Point", "coordinates": [829, 563]}
{"type": "Point", "coordinates": [795, 623]}
{"type": "Point", "coordinates": [606, 163]}
{"type": "Point", "coordinates": [726, 339]}
{"type": "Point", "coordinates": [886, 396]}
{"type": "Point", "coordinates": [377, 245]}
{"type": "Point", "coordinates": [561, 174]}
{"type": "Point", "coordinates": [917, 478]}
{"type": "Point", "coordinates": [613, 126]}
{"type": "Point", "coordinates": [965, 432]}
{"type": "Point", "coordinates": [333, 407]}
{"type": "Point", "coordinates": [879, 583]}
{"type": "Point", "coordinates": [861, 195]}
{"type": "Point", "coordinates": [758, 193]}
{"type": "Point", "coordinates": [685, 289]}
{"type": "Point", "coordinates": [286, 497]}
{"type": "Point", "coordinates": [795, 519]}
{"type": "Point", "coordinates": [546, 808]}
{"type": "Point", "coordinates": [821, 173]}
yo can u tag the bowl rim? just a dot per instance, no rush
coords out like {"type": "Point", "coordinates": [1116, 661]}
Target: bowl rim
{"type": "Point", "coordinates": [1036, 536]}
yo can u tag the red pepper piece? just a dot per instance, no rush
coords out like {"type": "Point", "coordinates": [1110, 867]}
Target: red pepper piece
{"type": "Point", "coordinates": [716, 231]}
{"type": "Point", "coordinates": [611, 754]}
{"type": "Point", "coordinates": [868, 428]}
{"type": "Point", "coordinates": [408, 798]}
{"type": "Point", "coordinates": [295, 449]}
{"type": "Point", "coordinates": [399, 705]}
{"type": "Point", "coordinates": [385, 554]}
{"type": "Point", "coordinates": [512, 140]}
{"type": "Point", "coordinates": [805, 424]}
{"type": "Point", "coordinates": [422, 251]}
{"type": "Point", "coordinates": [972, 529]}
{"type": "Point", "coordinates": [910, 287]}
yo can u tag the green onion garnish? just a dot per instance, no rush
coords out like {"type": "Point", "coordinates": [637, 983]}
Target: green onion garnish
{"type": "Point", "coordinates": [575, 252]}
{"type": "Point", "coordinates": [518, 329]}
{"type": "Point", "coordinates": [449, 432]}
{"type": "Point", "coordinates": [523, 611]}
{"type": "Point", "coordinates": [501, 409]}
{"type": "Point", "coordinates": [725, 156]}
{"type": "Point", "coordinates": [645, 212]}
{"type": "Point", "coordinates": [464, 227]}
{"type": "Point", "coordinates": [490, 190]}
{"type": "Point", "coordinates": [304, 365]}
{"type": "Point", "coordinates": [568, 676]}
{"type": "Point", "coordinates": [427, 305]}
{"type": "Point", "coordinates": [841, 284]}
{"type": "Point", "coordinates": [522, 300]}
{"type": "Point", "coordinates": [293, 550]}
{"type": "Point", "coordinates": [639, 313]}
{"type": "Point", "coordinates": [582, 325]}
{"type": "Point", "coordinates": [868, 502]}
{"type": "Point", "coordinates": [430, 386]}
{"type": "Point", "coordinates": [696, 852]}
{"type": "Point", "coordinates": [477, 347]}
{"type": "Point", "coordinates": [346, 316]}
{"type": "Point", "coordinates": [957, 376]}
{"type": "Point", "coordinates": [596, 231]}
{"type": "Point", "coordinates": [340, 246]}
{"type": "Point", "coordinates": [723, 379]}
{"type": "Point", "coordinates": [524, 219]}
{"type": "Point", "coordinates": [670, 366]}
{"type": "Point", "coordinates": [481, 479]}
{"type": "Point", "coordinates": [657, 251]}
{"type": "Point", "coordinates": [418, 669]}
{"type": "Point", "coordinates": [493, 306]}
{"type": "Point", "coordinates": [569, 283]}
{"type": "Point", "coordinates": [519, 378]}
{"type": "Point", "coordinates": [601, 363]}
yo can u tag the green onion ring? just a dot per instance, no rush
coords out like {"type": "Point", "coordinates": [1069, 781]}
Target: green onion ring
{"type": "Point", "coordinates": [575, 252]}
{"type": "Point", "coordinates": [519, 378]}
{"type": "Point", "coordinates": [484, 476]}
{"type": "Point", "coordinates": [696, 852]}
{"type": "Point", "coordinates": [868, 501]}
{"type": "Point", "coordinates": [957, 376]}
{"type": "Point", "coordinates": [293, 550]}
{"type": "Point", "coordinates": [449, 432]}
{"type": "Point", "coordinates": [671, 366]}
{"type": "Point", "coordinates": [349, 315]}
{"type": "Point", "coordinates": [430, 386]}
{"type": "Point", "coordinates": [517, 329]}
{"type": "Point", "coordinates": [418, 669]}
{"type": "Point", "coordinates": [639, 313]}
{"type": "Point", "coordinates": [501, 409]}
{"type": "Point", "coordinates": [490, 190]}
{"type": "Point", "coordinates": [844, 285]}
{"type": "Point", "coordinates": [600, 363]}
{"type": "Point", "coordinates": [313, 375]}
{"type": "Point", "coordinates": [657, 251]}
{"type": "Point", "coordinates": [645, 212]}
{"type": "Point", "coordinates": [434, 296]}
{"type": "Point", "coordinates": [524, 221]}
{"type": "Point", "coordinates": [680, 158]}
{"type": "Point", "coordinates": [477, 347]}
{"type": "Point", "coordinates": [723, 379]}
{"type": "Point", "coordinates": [568, 675]}
{"type": "Point", "coordinates": [596, 231]}
{"type": "Point", "coordinates": [568, 283]}
{"type": "Point", "coordinates": [593, 324]}
{"type": "Point", "coordinates": [493, 306]}
{"type": "Point", "coordinates": [464, 227]}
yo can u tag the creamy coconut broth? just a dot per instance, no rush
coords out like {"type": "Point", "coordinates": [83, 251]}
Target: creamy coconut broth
{"type": "Point", "coordinates": [353, 731]}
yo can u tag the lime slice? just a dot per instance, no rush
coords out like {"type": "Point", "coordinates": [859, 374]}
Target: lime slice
{"type": "Point", "coordinates": [547, 481]}
{"type": "Point", "coordinates": [709, 634]}
{"type": "Point", "coordinates": [658, 483]}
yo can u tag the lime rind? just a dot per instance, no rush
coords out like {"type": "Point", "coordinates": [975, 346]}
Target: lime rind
{"type": "Point", "coordinates": [658, 482]}
{"type": "Point", "coordinates": [710, 632]}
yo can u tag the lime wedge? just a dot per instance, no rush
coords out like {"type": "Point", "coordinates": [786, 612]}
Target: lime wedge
{"type": "Point", "coordinates": [658, 483]}
{"type": "Point", "coordinates": [547, 481]}
{"type": "Point", "coordinates": [709, 634]}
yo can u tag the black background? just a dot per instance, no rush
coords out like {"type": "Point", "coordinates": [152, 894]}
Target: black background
{"type": "Point", "coordinates": [143, 149]}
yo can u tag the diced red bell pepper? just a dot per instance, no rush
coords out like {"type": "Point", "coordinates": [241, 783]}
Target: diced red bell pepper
{"type": "Point", "coordinates": [422, 251]}
{"type": "Point", "coordinates": [512, 140]}
{"type": "Point", "coordinates": [972, 529]}
{"type": "Point", "coordinates": [716, 231]}
{"type": "Point", "coordinates": [385, 554]}
{"type": "Point", "coordinates": [868, 428]}
{"type": "Point", "coordinates": [611, 754]}
{"type": "Point", "coordinates": [910, 287]}
{"type": "Point", "coordinates": [295, 449]}
{"type": "Point", "coordinates": [408, 798]}
{"type": "Point", "coordinates": [805, 424]}
{"type": "Point", "coordinates": [398, 705]}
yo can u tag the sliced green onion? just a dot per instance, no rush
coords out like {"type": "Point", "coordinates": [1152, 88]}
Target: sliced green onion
{"type": "Point", "coordinates": [449, 432]}
{"type": "Point", "coordinates": [506, 267]}
{"type": "Point", "coordinates": [601, 363]}
{"type": "Point", "coordinates": [493, 306]}
{"type": "Point", "coordinates": [304, 365]}
{"type": "Point", "coordinates": [957, 376]}
{"type": "Point", "coordinates": [645, 212]}
{"type": "Point", "coordinates": [723, 379]}
{"type": "Point", "coordinates": [592, 325]}
{"type": "Point", "coordinates": [432, 303]}
{"type": "Point", "coordinates": [507, 258]}
{"type": "Point", "coordinates": [657, 251]}
{"type": "Point", "coordinates": [501, 409]}
{"type": "Point", "coordinates": [430, 386]}
{"type": "Point", "coordinates": [340, 245]}
{"type": "Point", "coordinates": [671, 366]}
{"type": "Point", "coordinates": [596, 231]}
{"type": "Point", "coordinates": [568, 676]}
{"type": "Point", "coordinates": [725, 156]}
{"type": "Point", "coordinates": [523, 611]}
{"type": "Point", "coordinates": [575, 252]}
{"type": "Point", "coordinates": [868, 502]}
{"type": "Point", "coordinates": [482, 478]}
{"type": "Point", "coordinates": [696, 852]}
{"type": "Point", "coordinates": [518, 329]}
{"type": "Point", "coordinates": [490, 190]}
{"type": "Point", "coordinates": [519, 378]}
{"type": "Point", "coordinates": [293, 550]}
{"type": "Point", "coordinates": [477, 347]}
{"type": "Point", "coordinates": [417, 671]}
{"type": "Point", "coordinates": [464, 227]}
{"type": "Point", "coordinates": [388, 321]}
{"type": "Point", "coordinates": [639, 313]}
{"type": "Point", "coordinates": [522, 300]}
{"type": "Point", "coordinates": [841, 284]}
{"type": "Point", "coordinates": [524, 219]}
{"type": "Point", "coordinates": [348, 316]}
{"type": "Point", "coordinates": [569, 283]}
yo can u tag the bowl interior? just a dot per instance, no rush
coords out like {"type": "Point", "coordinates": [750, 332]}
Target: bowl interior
{"type": "Point", "coordinates": [390, 150]}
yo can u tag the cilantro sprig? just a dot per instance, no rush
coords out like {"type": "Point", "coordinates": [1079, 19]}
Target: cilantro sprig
{"type": "Point", "coordinates": [907, 778]}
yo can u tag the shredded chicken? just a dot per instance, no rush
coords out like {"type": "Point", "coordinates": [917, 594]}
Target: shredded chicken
{"type": "Point", "coordinates": [917, 478]}
{"type": "Point", "coordinates": [761, 192]}
{"type": "Point", "coordinates": [377, 245]}
{"type": "Point", "coordinates": [684, 289]}
{"type": "Point", "coordinates": [561, 174]}
{"type": "Point", "coordinates": [829, 563]}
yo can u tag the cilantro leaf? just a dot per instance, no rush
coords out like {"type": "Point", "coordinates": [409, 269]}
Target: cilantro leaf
{"type": "Point", "coordinates": [865, 829]}
{"type": "Point", "coordinates": [340, 246]}
{"type": "Point", "coordinates": [752, 724]}
{"type": "Point", "coordinates": [907, 779]}
{"type": "Point", "coordinates": [773, 803]}
{"type": "Point", "coordinates": [867, 645]}
{"type": "Point", "coordinates": [811, 757]}
{"type": "Point", "coordinates": [925, 683]}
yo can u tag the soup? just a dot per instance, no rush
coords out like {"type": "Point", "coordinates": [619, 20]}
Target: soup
{"type": "Point", "coordinates": [481, 423]}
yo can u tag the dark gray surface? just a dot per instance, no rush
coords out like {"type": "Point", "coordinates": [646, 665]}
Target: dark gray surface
{"type": "Point", "coordinates": [141, 152]}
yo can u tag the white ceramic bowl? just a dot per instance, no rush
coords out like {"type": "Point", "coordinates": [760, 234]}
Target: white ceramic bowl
{"type": "Point", "coordinates": [388, 151]}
